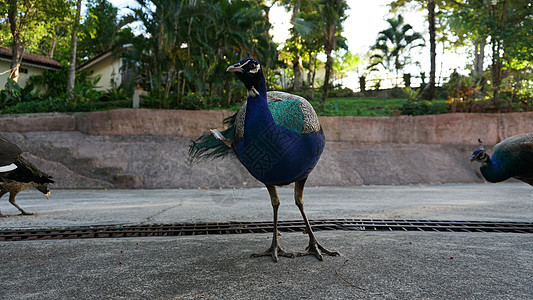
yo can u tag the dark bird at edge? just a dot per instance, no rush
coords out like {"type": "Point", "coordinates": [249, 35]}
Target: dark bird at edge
{"type": "Point", "coordinates": [17, 174]}
{"type": "Point", "coordinates": [511, 158]}
{"type": "Point", "coordinates": [278, 138]}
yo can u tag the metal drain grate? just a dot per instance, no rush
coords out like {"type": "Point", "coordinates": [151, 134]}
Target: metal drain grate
{"type": "Point", "coordinates": [118, 231]}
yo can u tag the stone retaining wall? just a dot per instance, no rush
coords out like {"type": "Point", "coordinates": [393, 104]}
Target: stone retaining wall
{"type": "Point", "coordinates": [143, 148]}
{"type": "Point", "coordinates": [451, 129]}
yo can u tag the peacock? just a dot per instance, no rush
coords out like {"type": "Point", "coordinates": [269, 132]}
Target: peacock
{"type": "Point", "coordinates": [17, 174]}
{"type": "Point", "coordinates": [278, 138]}
{"type": "Point", "coordinates": [511, 158]}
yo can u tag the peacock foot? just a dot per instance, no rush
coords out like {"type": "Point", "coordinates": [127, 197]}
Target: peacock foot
{"type": "Point", "coordinates": [317, 250]}
{"type": "Point", "coordinates": [26, 213]}
{"type": "Point", "coordinates": [275, 251]}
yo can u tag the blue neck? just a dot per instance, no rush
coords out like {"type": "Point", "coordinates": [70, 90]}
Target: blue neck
{"type": "Point", "coordinates": [493, 171]}
{"type": "Point", "coordinates": [258, 116]}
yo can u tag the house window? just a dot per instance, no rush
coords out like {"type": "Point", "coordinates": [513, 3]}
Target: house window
{"type": "Point", "coordinates": [23, 70]}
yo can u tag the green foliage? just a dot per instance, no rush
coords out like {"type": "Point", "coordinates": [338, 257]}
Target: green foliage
{"type": "Point", "coordinates": [116, 95]}
{"type": "Point", "coordinates": [61, 105]}
{"type": "Point", "coordinates": [347, 62]}
{"type": "Point", "coordinates": [461, 87]}
{"type": "Point", "coordinates": [373, 107]}
{"type": "Point", "coordinates": [424, 107]}
{"type": "Point", "coordinates": [192, 101]}
{"type": "Point", "coordinates": [393, 45]}
{"type": "Point", "coordinates": [85, 89]}
{"type": "Point", "coordinates": [50, 83]}
{"type": "Point", "coordinates": [99, 30]}
{"type": "Point", "coordinates": [155, 102]}
{"type": "Point", "coordinates": [54, 98]}
{"type": "Point", "coordinates": [508, 26]}
{"type": "Point", "coordinates": [410, 93]}
{"type": "Point", "coordinates": [53, 84]}
{"type": "Point", "coordinates": [341, 92]}
{"type": "Point", "coordinates": [188, 45]}
{"type": "Point", "coordinates": [13, 94]}
{"type": "Point", "coordinates": [42, 25]}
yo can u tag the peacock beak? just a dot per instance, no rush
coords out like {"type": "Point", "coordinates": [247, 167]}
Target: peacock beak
{"type": "Point", "coordinates": [234, 68]}
{"type": "Point", "coordinates": [47, 196]}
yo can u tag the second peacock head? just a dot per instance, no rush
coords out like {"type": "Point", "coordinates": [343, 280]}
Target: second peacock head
{"type": "Point", "coordinates": [479, 154]}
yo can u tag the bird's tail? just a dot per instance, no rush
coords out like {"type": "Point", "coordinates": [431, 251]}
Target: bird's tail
{"type": "Point", "coordinates": [209, 146]}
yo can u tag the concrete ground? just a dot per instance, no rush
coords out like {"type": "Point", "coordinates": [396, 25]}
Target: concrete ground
{"type": "Point", "coordinates": [373, 265]}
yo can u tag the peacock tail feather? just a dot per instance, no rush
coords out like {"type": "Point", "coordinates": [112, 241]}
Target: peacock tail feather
{"type": "Point", "coordinates": [209, 147]}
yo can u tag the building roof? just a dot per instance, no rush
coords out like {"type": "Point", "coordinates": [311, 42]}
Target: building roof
{"type": "Point", "coordinates": [36, 60]}
{"type": "Point", "coordinates": [101, 56]}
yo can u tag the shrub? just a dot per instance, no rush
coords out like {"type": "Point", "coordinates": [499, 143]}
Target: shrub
{"type": "Point", "coordinates": [14, 94]}
{"type": "Point", "coordinates": [61, 105]}
{"type": "Point", "coordinates": [193, 101]}
{"type": "Point", "coordinates": [410, 93]}
{"type": "Point", "coordinates": [415, 108]}
{"type": "Point", "coordinates": [341, 93]}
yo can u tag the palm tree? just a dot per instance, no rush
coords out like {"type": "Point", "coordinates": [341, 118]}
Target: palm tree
{"type": "Point", "coordinates": [305, 43]}
{"type": "Point", "coordinates": [187, 45]}
{"type": "Point", "coordinates": [429, 90]}
{"type": "Point", "coordinates": [393, 45]}
{"type": "Point", "coordinates": [73, 47]}
{"type": "Point", "coordinates": [333, 13]}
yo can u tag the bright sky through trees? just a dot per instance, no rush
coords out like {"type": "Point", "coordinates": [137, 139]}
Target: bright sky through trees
{"type": "Point", "coordinates": [365, 20]}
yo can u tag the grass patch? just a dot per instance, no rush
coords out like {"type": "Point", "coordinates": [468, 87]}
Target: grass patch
{"type": "Point", "coordinates": [345, 106]}
{"type": "Point", "coordinates": [365, 107]}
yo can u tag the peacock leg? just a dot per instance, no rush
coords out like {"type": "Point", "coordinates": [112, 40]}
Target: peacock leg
{"type": "Point", "coordinates": [1, 194]}
{"type": "Point", "coordinates": [314, 247]}
{"type": "Point", "coordinates": [12, 201]}
{"type": "Point", "coordinates": [275, 250]}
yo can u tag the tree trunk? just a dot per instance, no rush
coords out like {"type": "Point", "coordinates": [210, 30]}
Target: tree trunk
{"type": "Point", "coordinates": [73, 47]}
{"type": "Point", "coordinates": [297, 67]}
{"type": "Point", "coordinates": [329, 45]}
{"type": "Point", "coordinates": [298, 73]}
{"type": "Point", "coordinates": [479, 56]}
{"type": "Point", "coordinates": [325, 88]}
{"type": "Point", "coordinates": [496, 71]}
{"type": "Point", "coordinates": [312, 73]}
{"type": "Point", "coordinates": [429, 90]}
{"type": "Point", "coordinates": [17, 43]}
{"type": "Point", "coordinates": [52, 48]}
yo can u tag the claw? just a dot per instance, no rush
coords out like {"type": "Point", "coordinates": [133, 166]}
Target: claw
{"type": "Point", "coordinates": [275, 252]}
{"type": "Point", "coordinates": [317, 250]}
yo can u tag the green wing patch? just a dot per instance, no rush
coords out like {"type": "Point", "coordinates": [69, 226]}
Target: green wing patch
{"type": "Point", "coordinates": [288, 114]}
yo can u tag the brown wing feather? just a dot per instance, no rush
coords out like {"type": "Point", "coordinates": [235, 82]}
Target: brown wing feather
{"type": "Point", "coordinates": [27, 172]}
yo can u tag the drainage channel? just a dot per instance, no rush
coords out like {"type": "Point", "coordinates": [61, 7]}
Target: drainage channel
{"type": "Point", "coordinates": [117, 231]}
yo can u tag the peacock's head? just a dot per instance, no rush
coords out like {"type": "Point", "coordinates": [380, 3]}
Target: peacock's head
{"type": "Point", "coordinates": [480, 154]}
{"type": "Point", "coordinates": [43, 188]}
{"type": "Point", "coordinates": [249, 71]}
